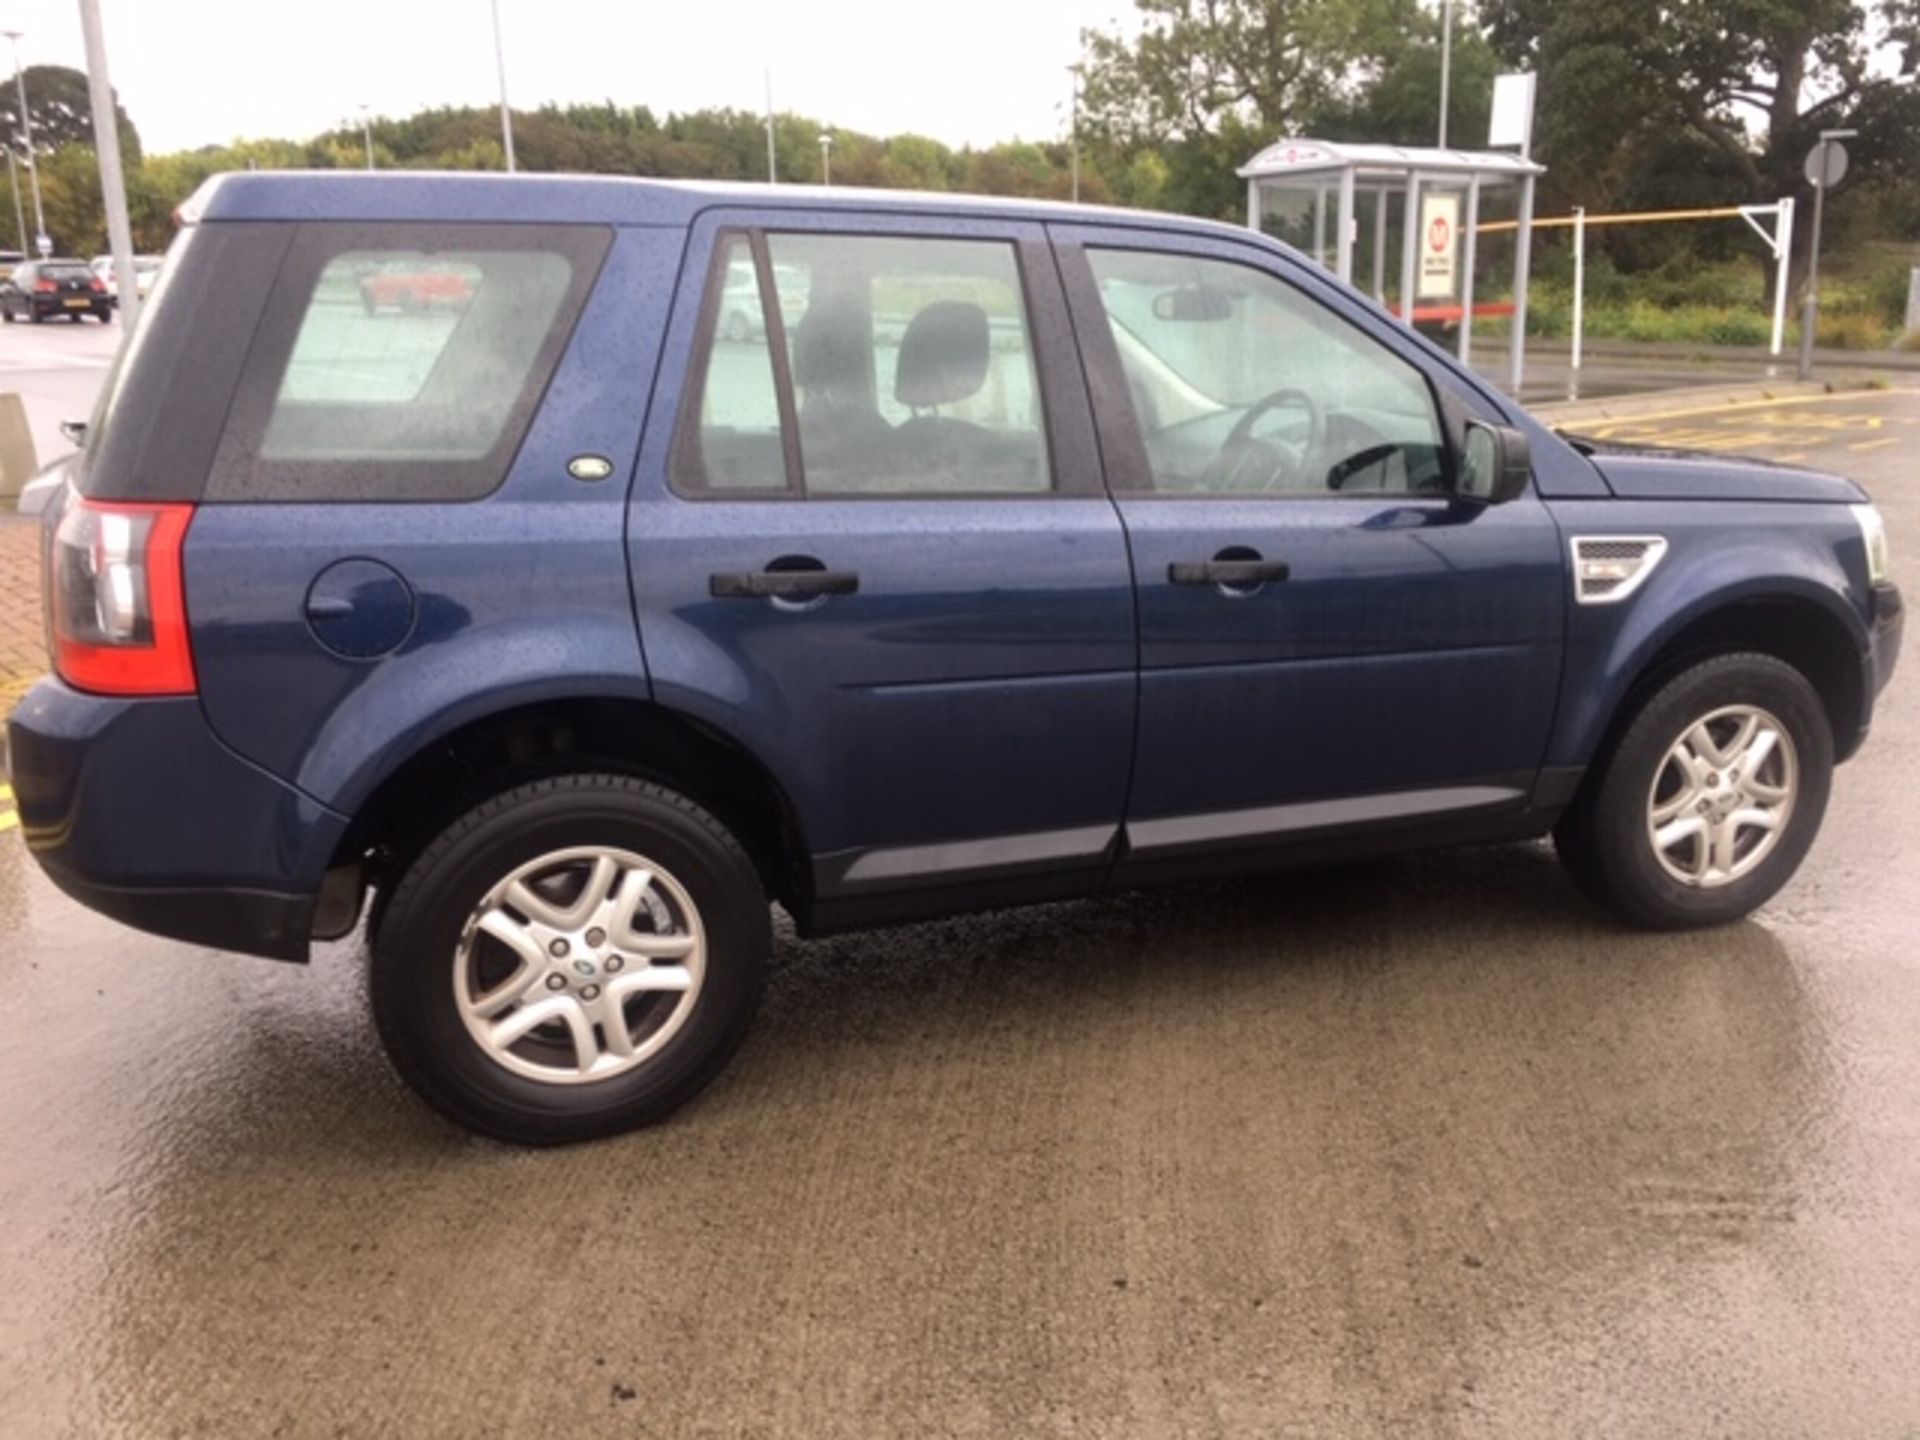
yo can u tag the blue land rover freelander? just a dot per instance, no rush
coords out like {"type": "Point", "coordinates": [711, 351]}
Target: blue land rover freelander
{"type": "Point", "coordinates": [561, 571]}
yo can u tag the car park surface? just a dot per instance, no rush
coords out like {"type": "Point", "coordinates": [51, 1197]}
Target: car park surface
{"type": "Point", "coordinates": [1422, 1144]}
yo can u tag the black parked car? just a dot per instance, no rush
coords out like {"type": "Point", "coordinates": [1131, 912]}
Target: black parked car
{"type": "Point", "coordinates": [42, 288]}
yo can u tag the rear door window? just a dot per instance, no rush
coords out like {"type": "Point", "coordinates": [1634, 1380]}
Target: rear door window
{"type": "Point", "coordinates": [840, 364]}
{"type": "Point", "coordinates": [403, 362]}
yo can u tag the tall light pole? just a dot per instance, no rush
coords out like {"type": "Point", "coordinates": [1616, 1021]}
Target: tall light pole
{"type": "Point", "coordinates": [13, 183]}
{"type": "Point", "coordinates": [826, 158]}
{"type": "Point", "coordinates": [1820, 165]}
{"type": "Point", "coordinates": [773, 169]}
{"type": "Point", "coordinates": [26, 126]}
{"type": "Point", "coordinates": [500, 64]}
{"type": "Point", "coordinates": [106, 144]}
{"type": "Point", "coordinates": [1446, 64]}
{"type": "Point", "coordinates": [1073, 135]}
{"type": "Point", "coordinates": [366, 129]}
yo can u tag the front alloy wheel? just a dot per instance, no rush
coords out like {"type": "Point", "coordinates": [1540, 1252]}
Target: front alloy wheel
{"type": "Point", "coordinates": [1723, 796]}
{"type": "Point", "coordinates": [1709, 799]}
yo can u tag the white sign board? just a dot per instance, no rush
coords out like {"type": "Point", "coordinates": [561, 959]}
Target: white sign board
{"type": "Point", "coordinates": [1439, 245]}
{"type": "Point", "coordinates": [1511, 121]}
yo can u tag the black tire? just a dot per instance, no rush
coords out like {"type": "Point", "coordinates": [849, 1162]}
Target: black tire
{"type": "Point", "coordinates": [1603, 838]}
{"type": "Point", "coordinates": [6, 313]}
{"type": "Point", "coordinates": [413, 977]}
{"type": "Point", "coordinates": [105, 317]}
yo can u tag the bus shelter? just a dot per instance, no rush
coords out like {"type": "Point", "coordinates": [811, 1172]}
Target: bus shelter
{"type": "Point", "coordinates": [1314, 191]}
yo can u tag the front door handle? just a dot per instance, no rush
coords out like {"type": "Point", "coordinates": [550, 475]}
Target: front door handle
{"type": "Point", "coordinates": [1226, 572]}
{"type": "Point", "coordinates": [782, 584]}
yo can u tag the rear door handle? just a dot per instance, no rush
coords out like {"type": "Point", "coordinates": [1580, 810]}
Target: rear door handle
{"type": "Point", "coordinates": [1226, 572]}
{"type": "Point", "coordinates": [782, 584]}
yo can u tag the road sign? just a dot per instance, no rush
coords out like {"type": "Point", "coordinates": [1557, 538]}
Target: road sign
{"type": "Point", "coordinates": [43, 244]}
{"type": "Point", "coordinates": [1439, 244]}
{"type": "Point", "coordinates": [1511, 119]}
{"type": "Point", "coordinates": [1826, 164]}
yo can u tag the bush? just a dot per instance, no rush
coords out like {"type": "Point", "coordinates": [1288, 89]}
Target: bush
{"type": "Point", "coordinates": [1851, 330]}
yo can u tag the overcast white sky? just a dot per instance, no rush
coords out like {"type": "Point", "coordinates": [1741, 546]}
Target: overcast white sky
{"type": "Point", "coordinates": [197, 72]}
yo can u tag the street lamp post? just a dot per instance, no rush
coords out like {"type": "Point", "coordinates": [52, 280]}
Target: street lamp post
{"type": "Point", "coordinates": [1446, 65]}
{"type": "Point", "coordinates": [366, 129]}
{"type": "Point", "coordinates": [500, 64]}
{"type": "Point", "coordinates": [1819, 164]}
{"type": "Point", "coordinates": [826, 159]}
{"type": "Point", "coordinates": [106, 145]}
{"type": "Point", "coordinates": [26, 126]}
{"type": "Point", "coordinates": [13, 183]}
{"type": "Point", "coordinates": [1073, 134]}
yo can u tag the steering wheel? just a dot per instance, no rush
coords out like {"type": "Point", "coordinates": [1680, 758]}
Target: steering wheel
{"type": "Point", "coordinates": [1242, 458]}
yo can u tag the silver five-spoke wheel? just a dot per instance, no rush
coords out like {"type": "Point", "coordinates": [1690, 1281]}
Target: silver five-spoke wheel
{"type": "Point", "coordinates": [1722, 797]}
{"type": "Point", "coordinates": [579, 965]}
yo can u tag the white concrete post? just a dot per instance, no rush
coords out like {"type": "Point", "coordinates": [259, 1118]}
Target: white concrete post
{"type": "Point", "coordinates": [1579, 289]}
{"type": "Point", "coordinates": [1253, 205]}
{"type": "Point", "coordinates": [1782, 256]}
{"type": "Point", "coordinates": [1320, 225]}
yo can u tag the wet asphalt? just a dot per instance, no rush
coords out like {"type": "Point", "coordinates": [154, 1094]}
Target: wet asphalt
{"type": "Point", "coordinates": [1425, 1146]}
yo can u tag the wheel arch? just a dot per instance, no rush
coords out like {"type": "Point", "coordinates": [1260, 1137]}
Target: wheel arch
{"type": "Point", "coordinates": [463, 764]}
{"type": "Point", "coordinates": [1801, 624]}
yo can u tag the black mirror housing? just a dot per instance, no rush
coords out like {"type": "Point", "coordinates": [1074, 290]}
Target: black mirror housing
{"type": "Point", "coordinates": [1496, 464]}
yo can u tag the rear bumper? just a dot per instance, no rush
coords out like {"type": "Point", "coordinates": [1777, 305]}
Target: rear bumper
{"type": "Point", "coordinates": [136, 809]}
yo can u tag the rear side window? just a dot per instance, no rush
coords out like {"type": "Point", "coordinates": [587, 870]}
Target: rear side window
{"type": "Point", "coordinates": [843, 365]}
{"type": "Point", "coordinates": [402, 362]}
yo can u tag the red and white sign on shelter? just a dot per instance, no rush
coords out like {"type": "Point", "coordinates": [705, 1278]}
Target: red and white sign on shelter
{"type": "Point", "coordinates": [1439, 245]}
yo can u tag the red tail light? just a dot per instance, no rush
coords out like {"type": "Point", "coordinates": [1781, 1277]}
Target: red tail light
{"type": "Point", "coordinates": [44, 287]}
{"type": "Point", "coordinates": [118, 599]}
{"type": "Point", "coordinates": [98, 284]}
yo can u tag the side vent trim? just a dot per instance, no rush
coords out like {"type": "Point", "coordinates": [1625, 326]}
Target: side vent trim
{"type": "Point", "coordinates": [1609, 568]}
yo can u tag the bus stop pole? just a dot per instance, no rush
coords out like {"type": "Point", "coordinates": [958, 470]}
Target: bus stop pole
{"type": "Point", "coordinates": [1380, 197]}
{"type": "Point", "coordinates": [1410, 249]}
{"type": "Point", "coordinates": [1522, 273]}
{"type": "Point", "coordinates": [1469, 247]}
{"type": "Point", "coordinates": [1343, 247]}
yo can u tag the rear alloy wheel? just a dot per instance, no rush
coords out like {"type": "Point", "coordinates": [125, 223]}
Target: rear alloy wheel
{"type": "Point", "coordinates": [1710, 799]}
{"type": "Point", "coordinates": [573, 958]}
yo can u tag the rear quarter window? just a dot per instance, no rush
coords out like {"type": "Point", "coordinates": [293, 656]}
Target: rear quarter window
{"type": "Point", "coordinates": [402, 362]}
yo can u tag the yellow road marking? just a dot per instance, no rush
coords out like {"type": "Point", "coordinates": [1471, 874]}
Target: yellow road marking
{"type": "Point", "coordinates": [8, 820]}
{"type": "Point", "coordinates": [6, 792]}
{"type": "Point", "coordinates": [1728, 409]}
{"type": "Point", "coordinates": [1874, 444]}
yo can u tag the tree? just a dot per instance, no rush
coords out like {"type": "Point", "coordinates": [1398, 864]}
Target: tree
{"type": "Point", "coordinates": [1749, 83]}
{"type": "Point", "coordinates": [62, 112]}
{"type": "Point", "coordinates": [1211, 81]}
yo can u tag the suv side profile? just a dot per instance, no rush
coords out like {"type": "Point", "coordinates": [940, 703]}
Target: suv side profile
{"type": "Point", "coordinates": [882, 556]}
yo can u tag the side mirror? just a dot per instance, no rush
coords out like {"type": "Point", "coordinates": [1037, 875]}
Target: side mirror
{"type": "Point", "coordinates": [75, 431]}
{"type": "Point", "coordinates": [1496, 464]}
